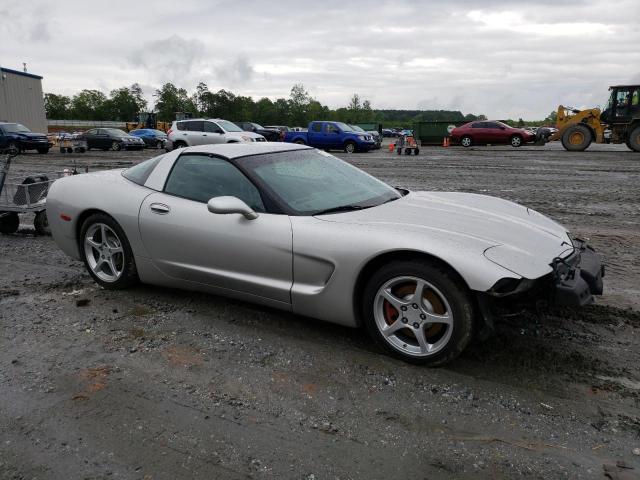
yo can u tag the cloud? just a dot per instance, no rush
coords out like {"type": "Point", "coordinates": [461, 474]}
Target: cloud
{"type": "Point", "coordinates": [236, 72]}
{"type": "Point", "coordinates": [168, 59]}
{"type": "Point", "coordinates": [503, 58]}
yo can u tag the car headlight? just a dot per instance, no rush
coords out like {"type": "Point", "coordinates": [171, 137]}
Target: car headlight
{"type": "Point", "coordinates": [362, 137]}
{"type": "Point", "coordinates": [247, 139]}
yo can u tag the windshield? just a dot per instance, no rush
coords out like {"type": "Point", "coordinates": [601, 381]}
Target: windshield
{"type": "Point", "coordinates": [116, 133]}
{"type": "Point", "coordinates": [258, 126]}
{"type": "Point", "coordinates": [15, 128]}
{"type": "Point", "coordinates": [343, 126]}
{"type": "Point", "coordinates": [355, 128]}
{"type": "Point", "coordinates": [312, 181]}
{"type": "Point", "coordinates": [159, 132]}
{"type": "Point", "coordinates": [228, 126]}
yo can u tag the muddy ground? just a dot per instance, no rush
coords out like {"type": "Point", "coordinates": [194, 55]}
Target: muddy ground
{"type": "Point", "coordinates": [154, 383]}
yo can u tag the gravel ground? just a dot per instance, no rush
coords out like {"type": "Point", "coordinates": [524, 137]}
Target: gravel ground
{"type": "Point", "coordinates": [153, 383]}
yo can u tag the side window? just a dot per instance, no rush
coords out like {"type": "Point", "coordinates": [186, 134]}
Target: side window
{"type": "Point", "coordinates": [331, 128]}
{"type": "Point", "coordinates": [195, 126]}
{"type": "Point", "coordinates": [492, 125]}
{"type": "Point", "coordinates": [478, 125]}
{"type": "Point", "coordinates": [316, 127]}
{"type": "Point", "coordinates": [100, 131]}
{"type": "Point", "coordinates": [200, 178]}
{"type": "Point", "coordinates": [180, 126]}
{"type": "Point", "coordinates": [212, 127]}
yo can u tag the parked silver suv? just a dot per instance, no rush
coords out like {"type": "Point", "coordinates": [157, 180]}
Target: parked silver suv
{"type": "Point", "coordinates": [202, 131]}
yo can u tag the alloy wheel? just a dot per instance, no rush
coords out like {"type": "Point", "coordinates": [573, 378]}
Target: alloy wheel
{"type": "Point", "coordinates": [413, 316]}
{"type": "Point", "coordinates": [104, 253]}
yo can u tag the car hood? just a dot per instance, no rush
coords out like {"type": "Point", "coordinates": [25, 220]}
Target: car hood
{"type": "Point", "coordinates": [511, 235]}
{"type": "Point", "coordinates": [31, 135]}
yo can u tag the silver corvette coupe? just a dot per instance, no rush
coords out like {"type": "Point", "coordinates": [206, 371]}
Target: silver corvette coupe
{"type": "Point", "coordinates": [298, 229]}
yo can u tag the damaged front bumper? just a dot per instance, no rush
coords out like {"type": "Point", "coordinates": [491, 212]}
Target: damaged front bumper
{"type": "Point", "coordinates": [578, 277]}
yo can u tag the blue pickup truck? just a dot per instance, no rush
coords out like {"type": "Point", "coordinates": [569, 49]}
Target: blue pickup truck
{"type": "Point", "coordinates": [332, 136]}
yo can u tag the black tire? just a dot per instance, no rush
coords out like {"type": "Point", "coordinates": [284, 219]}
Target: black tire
{"type": "Point", "coordinates": [633, 142]}
{"type": "Point", "coordinates": [407, 151]}
{"type": "Point", "coordinates": [41, 223]}
{"type": "Point", "coordinates": [82, 149]}
{"type": "Point", "coordinates": [299, 142]}
{"type": "Point", "coordinates": [43, 151]}
{"type": "Point", "coordinates": [158, 144]}
{"type": "Point", "coordinates": [129, 275]}
{"type": "Point", "coordinates": [116, 146]}
{"type": "Point", "coordinates": [466, 141]}
{"type": "Point", "coordinates": [9, 222]}
{"type": "Point", "coordinates": [577, 138]}
{"type": "Point", "coordinates": [416, 151]}
{"type": "Point", "coordinates": [350, 147]}
{"type": "Point", "coordinates": [14, 147]}
{"type": "Point", "coordinates": [456, 295]}
{"type": "Point", "coordinates": [515, 141]}
{"type": "Point", "coordinates": [179, 144]}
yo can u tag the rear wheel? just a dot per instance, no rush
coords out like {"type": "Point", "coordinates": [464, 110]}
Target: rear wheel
{"type": "Point", "coordinates": [115, 146]}
{"type": "Point", "coordinates": [350, 147]}
{"type": "Point", "coordinates": [466, 141]}
{"type": "Point", "coordinates": [419, 312]}
{"type": "Point", "coordinates": [106, 252]}
{"type": "Point", "coordinates": [516, 141]}
{"type": "Point", "coordinates": [9, 222]}
{"type": "Point", "coordinates": [13, 147]}
{"type": "Point", "coordinates": [576, 138]}
{"type": "Point", "coordinates": [179, 145]}
{"type": "Point", "coordinates": [634, 139]}
{"type": "Point", "coordinates": [300, 142]}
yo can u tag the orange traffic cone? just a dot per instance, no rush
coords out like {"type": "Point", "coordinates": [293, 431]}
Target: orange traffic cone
{"type": "Point", "coordinates": [392, 147]}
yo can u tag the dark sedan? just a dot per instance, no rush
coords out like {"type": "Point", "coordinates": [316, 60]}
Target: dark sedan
{"type": "Point", "coordinates": [494, 133]}
{"type": "Point", "coordinates": [150, 136]}
{"type": "Point", "coordinates": [112, 139]}
{"type": "Point", "coordinates": [271, 134]}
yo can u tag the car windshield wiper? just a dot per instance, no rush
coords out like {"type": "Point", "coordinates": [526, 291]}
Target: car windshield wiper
{"type": "Point", "coordinates": [341, 208]}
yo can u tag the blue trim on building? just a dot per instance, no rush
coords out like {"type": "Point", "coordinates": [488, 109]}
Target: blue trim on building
{"type": "Point", "coordinates": [18, 72]}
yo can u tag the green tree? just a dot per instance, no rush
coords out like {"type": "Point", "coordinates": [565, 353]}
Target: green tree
{"type": "Point", "coordinates": [299, 100]}
{"type": "Point", "coordinates": [89, 105]}
{"type": "Point", "coordinates": [170, 100]}
{"type": "Point", "coordinates": [125, 103]}
{"type": "Point", "coordinates": [57, 106]}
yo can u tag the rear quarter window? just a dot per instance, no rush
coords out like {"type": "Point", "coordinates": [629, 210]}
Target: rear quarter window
{"type": "Point", "coordinates": [140, 173]}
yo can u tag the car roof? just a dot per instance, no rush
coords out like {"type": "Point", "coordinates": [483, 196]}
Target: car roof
{"type": "Point", "coordinates": [236, 150]}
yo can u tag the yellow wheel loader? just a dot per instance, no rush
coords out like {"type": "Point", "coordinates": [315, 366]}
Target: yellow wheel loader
{"type": "Point", "coordinates": [619, 122]}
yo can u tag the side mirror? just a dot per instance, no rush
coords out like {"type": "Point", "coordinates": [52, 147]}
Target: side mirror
{"type": "Point", "coordinates": [227, 205]}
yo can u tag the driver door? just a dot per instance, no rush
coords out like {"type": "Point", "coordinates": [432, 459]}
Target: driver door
{"type": "Point", "coordinates": [189, 243]}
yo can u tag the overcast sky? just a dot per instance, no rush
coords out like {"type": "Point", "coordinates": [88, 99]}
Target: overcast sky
{"type": "Point", "coordinates": [498, 57]}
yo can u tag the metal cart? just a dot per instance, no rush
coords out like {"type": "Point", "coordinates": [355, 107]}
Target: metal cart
{"type": "Point", "coordinates": [72, 143]}
{"type": "Point", "coordinates": [408, 144]}
{"type": "Point", "coordinates": [19, 195]}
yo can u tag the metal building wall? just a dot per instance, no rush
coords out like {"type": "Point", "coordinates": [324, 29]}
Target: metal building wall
{"type": "Point", "coordinates": [21, 100]}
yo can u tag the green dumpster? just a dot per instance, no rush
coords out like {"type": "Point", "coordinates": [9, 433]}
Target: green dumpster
{"type": "Point", "coordinates": [433, 133]}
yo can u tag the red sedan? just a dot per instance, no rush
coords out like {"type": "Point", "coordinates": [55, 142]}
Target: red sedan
{"type": "Point", "coordinates": [483, 133]}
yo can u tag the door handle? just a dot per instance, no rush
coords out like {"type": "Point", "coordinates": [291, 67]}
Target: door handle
{"type": "Point", "coordinates": [159, 208]}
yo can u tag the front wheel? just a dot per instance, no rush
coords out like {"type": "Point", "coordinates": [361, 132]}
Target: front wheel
{"type": "Point", "coordinates": [115, 146]}
{"type": "Point", "coordinates": [106, 252]}
{"type": "Point", "coordinates": [633, 141]}
{"type": "Point", "coordinates": [9, 222]}
{"type": "Point", "coordinates": [576, 138]}
{"type": "Point", "coordinates": [419, 312]}
{"type": "Point", "coordinates": [516, 141]}
{"type": "Point", "coordinates": [466, 141]}
{"type": "Point", "coordinates": [349, 147]}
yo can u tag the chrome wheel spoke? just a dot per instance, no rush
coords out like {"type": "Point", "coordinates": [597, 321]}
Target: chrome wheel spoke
{"type": "Point", "coordinates": [93, 243]}
{"type": "Point", "coordinates": [425, 346]}
{"type": "Point", "coordinates": [437, 318]}
{"type": "Point", "coordinates": [396, 302]}
{"type": "Point", "coordinates": [393, 328]}
{"type": "Point", "coordinates": [114, 250]}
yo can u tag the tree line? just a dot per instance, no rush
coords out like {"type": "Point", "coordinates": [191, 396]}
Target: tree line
{"type": "Point", "coordinates": [123, 104]}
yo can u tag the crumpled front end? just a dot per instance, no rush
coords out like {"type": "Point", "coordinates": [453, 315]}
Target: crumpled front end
{"type": "Point", "coordinates": [577, 278]}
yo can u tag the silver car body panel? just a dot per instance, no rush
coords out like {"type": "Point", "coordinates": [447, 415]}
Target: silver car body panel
{"type": "Point", "coordinates": [306, 264]}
